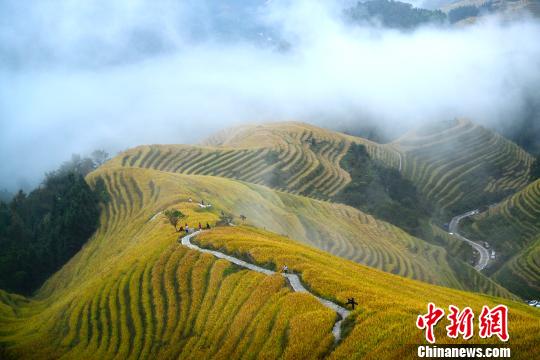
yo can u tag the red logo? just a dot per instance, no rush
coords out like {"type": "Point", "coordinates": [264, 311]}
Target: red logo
{"type": "Point", "coordinates": [429, 320]}
{"type": "Point", "coordinates": [460, 322]}
{"type": "Point", "coordinates": [491, 322]}
{"type": "Point", "coordinates": [494, 322]}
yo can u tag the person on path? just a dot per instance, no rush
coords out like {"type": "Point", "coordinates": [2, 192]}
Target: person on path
{"type": "Point", "coordinates": [187, 229]}
{"type": "Point", "coordinates": [351, 302]}
{"type": "Point", "coordinates": [285, 269]}
{"type": "Point", "coordinates": [200, 226]}
{"type": "Point", "coordinates": [207, 226]}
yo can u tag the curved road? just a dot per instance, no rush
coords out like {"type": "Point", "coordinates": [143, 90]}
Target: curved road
{"type": "Point", "coordinates": [454, 227]}
{"type": "Point", "coordinates": [293, 279]}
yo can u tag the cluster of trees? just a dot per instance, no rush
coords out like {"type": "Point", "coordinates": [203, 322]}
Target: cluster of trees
{"type": "Point", "coordinates": [462, 12]}
{"type": "Point", "coordinates": [5, 195]}
{"type": "Point", "coordinates": [465, 12]}
{"type": "Point", "coordinates": [394, 14]}
{"type": "Point", "coordinates": [382, 192]}
{"type": "Point", "coordinates": [42, 230]}
{"type": "Point", "coordinates": [401, 15]}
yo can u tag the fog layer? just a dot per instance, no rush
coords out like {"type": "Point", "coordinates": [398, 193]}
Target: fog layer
{"type": "Point", "coordinates": [117, 74]}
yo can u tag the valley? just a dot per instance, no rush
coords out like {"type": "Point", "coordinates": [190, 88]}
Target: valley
{"type": "Point", "coordinates": [136, 290]}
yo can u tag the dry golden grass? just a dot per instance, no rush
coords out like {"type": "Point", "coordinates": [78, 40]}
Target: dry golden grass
{"type": "Point", "coordinates": [385, 320]}
{"type": "Point", "coordinates": [134, 292]}
{"type": "Point", "coordinates": [293, 157]}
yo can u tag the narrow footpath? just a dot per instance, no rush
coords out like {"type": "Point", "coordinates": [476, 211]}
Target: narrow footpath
{"type": "Point", "coordinates": [293, 279]}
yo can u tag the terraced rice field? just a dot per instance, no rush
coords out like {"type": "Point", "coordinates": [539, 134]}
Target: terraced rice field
{"type": "Point", "coordinates": [339, 229]}
{"type": "Point", "coordinates": [379, 314]}
{"type": "Point", "coordinates": [292, 157]}
{"type": "Point", "coordinates": [521, 274]}
{"type": "Point", "coordinates": [512, 223]}
{"type": "Point", "coordinates": [461, 166]}
{"type": "Point", "coordinates": [134, 292]}
{"type": "Point", "coordinates": [513, 229]}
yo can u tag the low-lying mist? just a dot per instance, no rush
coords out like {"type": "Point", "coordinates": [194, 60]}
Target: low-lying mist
{"type": "Point", "coordinates": [78, 76]}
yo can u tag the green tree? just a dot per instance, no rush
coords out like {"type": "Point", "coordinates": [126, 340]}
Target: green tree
{"type": "Point", "coordinates": [393, 14]}
{"type": "Point", "coordinates": [41, 231]}
{"type": "Point", "coordinates": [99, 157]}
{"type": "Point", "coordinates": [174, 216]}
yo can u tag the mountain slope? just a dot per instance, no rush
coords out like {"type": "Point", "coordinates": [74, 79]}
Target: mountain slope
{"type": "Point", "coordinates": [252, 153]}
{"type": "Point", "coordinates": [460, 166]}
{"type": "Point", "coordinates": [339, 229]}
{"type": "Point", "coordinates": [133, 291]}
{"type": "Point", "coordinates": [512, 228]}
{"type": "Point", "coordinates": [293, 157]}
{"type": "Point", "coordinates": [380, 315]}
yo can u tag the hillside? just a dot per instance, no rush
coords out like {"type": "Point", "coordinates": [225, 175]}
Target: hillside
{"type": "Point", "coordinates": [298, 158]}
{"type": "Point", "coordinates": [460, 166]}
{"type": "Point", "coordinates": [512, 228]}
{"type": "Point", "coordinates": [506, 9]}
{"type": "Point", "coordinates": [293, 157]}
{"type": "Point", "coordinates": [456, 165]}
{"type": "Point", "coordinates": [338, 229]}
{"type": "Point", "coordinates": [134, 292]}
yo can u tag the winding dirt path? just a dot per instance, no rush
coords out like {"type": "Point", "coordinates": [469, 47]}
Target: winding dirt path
{"type": "Point", "coordinates": [293, 279]}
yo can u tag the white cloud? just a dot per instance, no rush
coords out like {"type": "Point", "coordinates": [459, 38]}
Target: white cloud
{"type": "Point", "coordinates": [120, 75]}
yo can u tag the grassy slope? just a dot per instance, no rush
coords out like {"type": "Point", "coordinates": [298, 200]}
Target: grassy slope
{"type": "Point", "coordinates": [133, 291]}
{"type": "Point", "coordinates": [460, 166]}
{"type": "Point", "coordinates": [338, 229]}
{"type": "Point", "coordinates": [301, 151]}
{"type": "Point", "coordinates": [293, 157]}
{"type": "Point", "coordinates": [384, 322]}
{"type": "Point", "coordinates": [457, 166]}
{"type": "Point", "coordinates": [513, 229]}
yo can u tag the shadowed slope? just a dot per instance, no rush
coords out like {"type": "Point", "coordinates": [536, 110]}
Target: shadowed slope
{"type": "Point", "coordinates": [512, 228]}
{"type": "Point", "coordinates": [459, 166]}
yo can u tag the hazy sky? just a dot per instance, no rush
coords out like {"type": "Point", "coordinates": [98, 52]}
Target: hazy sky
{"type": "Point", "coordinates": [75, 76]}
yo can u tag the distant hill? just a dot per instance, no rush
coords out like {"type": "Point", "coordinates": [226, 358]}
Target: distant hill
{"type": "Point", "coordinates": [508, 9]}
{"type": "Point", "coordinates": [293, 157]}
{"type": "Point", "coordinates": [513, 229]}
{"type": "Point", "coordinates": [460, 166]}
{"type": "Point", "coordinates": [393, 14]}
